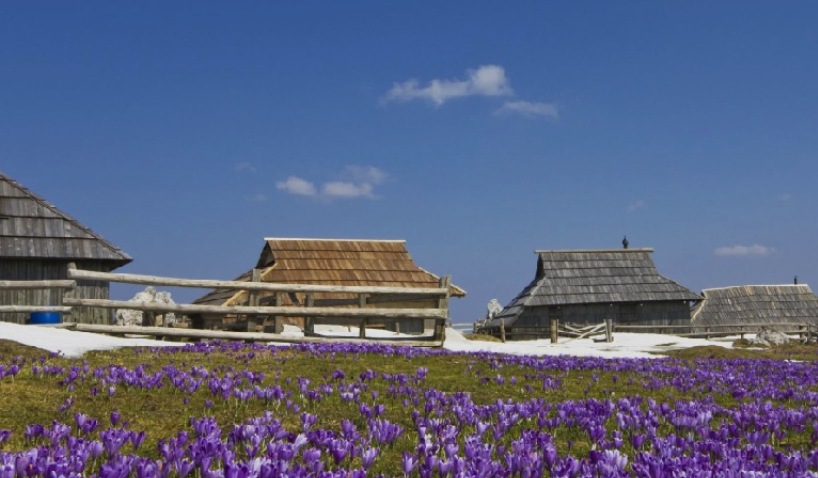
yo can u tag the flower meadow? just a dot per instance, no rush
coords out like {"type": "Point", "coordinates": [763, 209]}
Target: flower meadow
{"type": "Point", "coordinates": [355, 410]}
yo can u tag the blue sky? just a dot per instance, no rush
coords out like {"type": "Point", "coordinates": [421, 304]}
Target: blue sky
{"type": "Point", "coordinates": [186, 132]}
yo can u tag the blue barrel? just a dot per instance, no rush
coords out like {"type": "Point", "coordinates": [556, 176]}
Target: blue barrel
{"type": "Point", "coordinates": [38, 318]}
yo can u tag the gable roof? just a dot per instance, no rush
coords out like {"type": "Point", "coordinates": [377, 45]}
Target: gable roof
{"type": "Point", "coordinates": [32, 228]}
{"type": "Point", "coordinates": [343, 262]}
{"type": "Point", "coordinates": [757, 304]}
{"type": "Point", "coordinates": [592, 276]}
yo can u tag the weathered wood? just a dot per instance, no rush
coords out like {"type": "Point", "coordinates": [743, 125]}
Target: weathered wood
{"type": "Point", "coordinates": [261, 310]}
{"type": "Point", "coordinates": [37, 284]}
{"type": "Point", "coordinates": [362, 325]}
{"type": "Point", "coordinates": [555, 327]}
{"type": "Point", "coordinates": [243, 285]}
{"type": "Point", "coordinates": [443, 305]}
{"type": "Point", "coordinates": [245, 336]}
{"type": "Point", "coordinates": [503, 330]}
{"type": "Point", "coordinates": [10, 309]}
{"type": "Point", "coordinates": [252, 301]}
{"type": "Point", "coordinates": [609, 330]}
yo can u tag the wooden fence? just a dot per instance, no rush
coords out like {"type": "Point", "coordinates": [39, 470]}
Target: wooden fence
{"type": "Point", "coordinates": [359, 314]}
{"type": "Point", "coordinates": [608, 328]}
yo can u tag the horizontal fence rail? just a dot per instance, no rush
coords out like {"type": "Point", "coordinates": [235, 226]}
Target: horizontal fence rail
{"type": "Point", "coordinates": [556, 329]}
{"type": "Point", "coordinates": [250, 286]}
{"type": "Point", "coordinates": [291, 311]}
{"type": "Point", "coordinates": [359, 312]}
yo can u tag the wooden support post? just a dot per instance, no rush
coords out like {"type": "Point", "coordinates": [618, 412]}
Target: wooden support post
{"type": "Point", "coordinates": [609, 330]}
{"type": "Point", "coordinates": [279, 324]}
{"type": "Point", "coordinates": [252, 301]}
{"type": "Point", "coordinates": [309, 323]}
{"type": "Point", "coordinates": [555, 327]}
{"type": "Point", "coordinates": [362, 323]}
{"type": "Point", "coordinates": [443, 305]}
{"type": "Point", "coordinates": [707, 333]}
{"type": "Point", "coordinates": [503, 330]}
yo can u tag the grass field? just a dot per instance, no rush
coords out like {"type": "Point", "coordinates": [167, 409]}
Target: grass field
{"type": "Point", "coordinates": [351, 410]}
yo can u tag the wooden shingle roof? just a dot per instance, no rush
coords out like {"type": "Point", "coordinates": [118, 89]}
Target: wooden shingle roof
{"type": "Point", "coordinates": [32, 228]}
{"type": "Point", "coordinates": [343, 262]}
{"type": "Point", "coordinates": [757, 304]}
{"type": "Point", "coordinates": [606, 276]}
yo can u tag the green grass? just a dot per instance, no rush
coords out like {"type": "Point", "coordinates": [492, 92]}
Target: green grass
{"type": "Point", "coordinates": [32, 399]}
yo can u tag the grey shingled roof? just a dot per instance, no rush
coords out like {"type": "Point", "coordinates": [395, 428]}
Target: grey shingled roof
{"type": "Point", "coordinates": [32, 228]}
{"type": "Point", "coordinates": [595, 276]}
{"type": "Point", "coordinates": [757, 304]}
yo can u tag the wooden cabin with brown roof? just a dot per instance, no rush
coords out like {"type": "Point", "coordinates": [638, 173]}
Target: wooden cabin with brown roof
{"type": "Point", "coordinates": [585, 287]}
{"type": "Point", "coordinates": [332, 262]}
{"type": "Point", "coordinates": [38, 241]}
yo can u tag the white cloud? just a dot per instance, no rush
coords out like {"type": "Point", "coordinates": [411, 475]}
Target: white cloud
{"type": "Point", "coordinates": [739, 250]}
{"type": "Point", "coordinates": [345, 190]}
{"type": "Point", "coordinates": [355, 182]}
{"type": "Point", "coordinates": [487, 80]}
{"type": "Point", "coordinates": [298, 186]}
{"type": "Point", "coordinates": [245, 168]}
{"type": "Point", "coordinates": [529, 109]}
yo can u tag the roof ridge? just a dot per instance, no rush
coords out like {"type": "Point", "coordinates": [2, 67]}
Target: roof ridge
{"type": "Point", "coordinates": [643, 249]}
{"type": "Point", "coordinates": [331, 240]}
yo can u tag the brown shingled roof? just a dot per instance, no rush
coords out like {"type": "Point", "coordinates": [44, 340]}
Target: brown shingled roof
{"type": "Point", "coordinates": [343, 262]}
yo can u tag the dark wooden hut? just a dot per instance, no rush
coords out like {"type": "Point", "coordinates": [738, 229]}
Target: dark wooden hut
{"type": "Point", "coordinates": [585, 287]}
{"type": "Point", "coordinates": [768, 306]}
{"type": "Point", "coordinates": [339, 262]}
{"type": "Point", "coordinates": [38, 241]}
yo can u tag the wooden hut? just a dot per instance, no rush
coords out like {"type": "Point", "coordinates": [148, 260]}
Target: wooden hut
{"type": "Point", "coordinates": [334, 262]}
{"type": "Point", "coordinates": [37, 241]}
{"type": "Point", "coordinates": [585, 287]}
{"type": "Point", "coordinates": [768, 306]}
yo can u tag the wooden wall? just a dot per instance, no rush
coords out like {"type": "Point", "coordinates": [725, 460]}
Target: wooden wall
{"type": "Point", "coordinates": [535, 322]}
{"type": "Point", "coordinates": [20, 270]}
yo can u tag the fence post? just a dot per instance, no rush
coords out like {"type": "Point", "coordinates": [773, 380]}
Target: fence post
{"type": "Point", "coordinates": [309, 324]}
{"type": "Point", "coordinates": [609, 330]}
{"type": "Point", "coordinates": [555, 325]}
{"type": "Point", "coordinates": [362, 321]}
{"type": "Point", "coordinates": [278, 324]}
{"type": "Point", "coordinates": [443, 304]}
{"type": "Point", "coordinates": [252, 301]}
{"type": "Point", "coordinates": [503, 330]}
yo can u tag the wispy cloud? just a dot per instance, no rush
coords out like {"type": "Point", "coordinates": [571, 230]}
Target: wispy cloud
{"type": "Point", "coordinates": [487, 80]}
{"type": "Point", "coordinates": [739, 250]}
{"type": "Point", "coordinates": [784, 197]}
{"type": "Point", "coordinates": [636, 205]}
{"type": "Point", "coordinates": [345, 190]}
{"type": "Point", "coordinates": [245, 167]}
{"type": "Point", "coordinates": [355, 182]}
{"type": "Point", "coordinates": [528, 109]}
{"type": "Point", "coordinates": [297, 186]}
{"type": "Point", "coordinates": [258, 197]}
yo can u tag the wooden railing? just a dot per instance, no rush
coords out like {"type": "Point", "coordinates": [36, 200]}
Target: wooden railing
{"type": "Point", "coordinates": [35, 285]}
{"type": "Point", "coordinates": [358, 312]}
{"type": "Point", "coordinates": [608, 327]}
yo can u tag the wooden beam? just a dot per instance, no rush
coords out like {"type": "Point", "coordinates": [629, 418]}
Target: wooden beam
{"type": "Point", "coordinates": [37, 284]}
{"type": "Point", "coordinates": [9, 309]}
{"type": "Point", "coordinates": [260, 310]}
{"type": "Point", "coordinates": [246, 285]}
{"type": "Point", "coordinates": [246, 336]}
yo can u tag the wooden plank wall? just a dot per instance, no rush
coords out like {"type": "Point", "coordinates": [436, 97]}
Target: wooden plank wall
{"type": "Point", "coordinates": [53, 270]}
